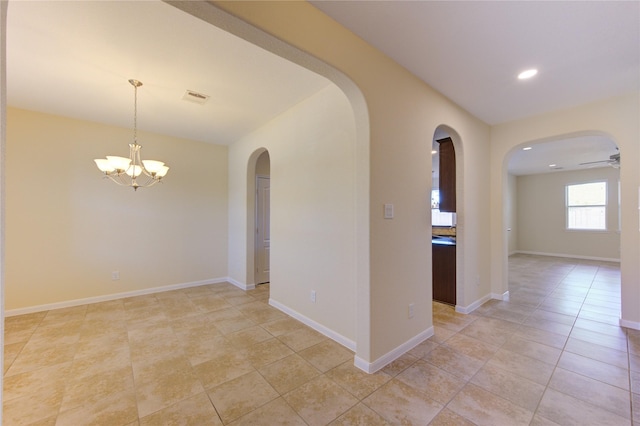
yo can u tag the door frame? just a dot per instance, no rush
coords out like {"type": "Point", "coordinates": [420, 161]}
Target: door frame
{"type": "Point", "coordinates": [256, 227]}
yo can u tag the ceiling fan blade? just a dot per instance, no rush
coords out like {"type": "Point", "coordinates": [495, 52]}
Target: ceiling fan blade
{"type": "Point", "coordinates": [594, 162]}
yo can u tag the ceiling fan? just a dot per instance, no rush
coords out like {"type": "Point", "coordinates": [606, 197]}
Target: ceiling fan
{"type": "Point", "coordinates": [613, 161]}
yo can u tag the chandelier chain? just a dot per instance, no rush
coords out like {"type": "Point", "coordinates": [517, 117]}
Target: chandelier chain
{"type": "Point", "coordinates": [135, 114]}
{"type": "Point", "coordinates": [135, 84]}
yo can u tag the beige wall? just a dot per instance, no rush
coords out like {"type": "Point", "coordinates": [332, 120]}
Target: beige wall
{"type": "Point", "coordinates": [312, 152]}
{"type": "Point", "coordinates": [616, 118]}
{"type": "Point", "coordinates": [67, 228]}
{"type": "Point", "coordinates": [541, 215]}
{"type": "Point", "coordinates": [398, 121]}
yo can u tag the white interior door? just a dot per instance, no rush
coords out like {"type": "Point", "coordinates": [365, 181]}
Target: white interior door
{"type": "Point", "coordinates": [263, 235]}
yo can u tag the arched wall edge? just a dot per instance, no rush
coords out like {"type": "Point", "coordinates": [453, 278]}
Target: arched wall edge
{"type": "Point", "coordinates": [224, 20]}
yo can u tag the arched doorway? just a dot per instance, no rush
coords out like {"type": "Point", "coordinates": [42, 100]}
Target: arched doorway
{"type": "Point", "coordinates": [552, 230]}
{"type": "Point", "coordinates": [241, 250]}
{"type": "Point", "coordinates": [448, 225]}
{"type": "Point", "coordinates": [262, 219]}
{"type": "Point", "coordinates": [443, 218]}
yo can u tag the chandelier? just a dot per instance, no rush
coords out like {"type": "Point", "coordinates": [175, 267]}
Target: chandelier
{"type": "Point", "coordinates": [132, 171]}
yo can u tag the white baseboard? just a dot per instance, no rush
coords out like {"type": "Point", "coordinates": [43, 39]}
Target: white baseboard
{"type": "Point", "coordinates": [347, 343]}
{"type": "Point", "coordinates": [630, 324]}
{"type": "Point", "coordinates": [473, 306]}
{"type": "Point", "coordinates": [240, 285]}
{"type": "Point", "coordinates": [107, 297]}
{"type": "Point", "coordinates": [504, 296]}
{"type": "Point", "coordinates": [570, 256]}
{"type": "Point", "coordinates": [389, 357]}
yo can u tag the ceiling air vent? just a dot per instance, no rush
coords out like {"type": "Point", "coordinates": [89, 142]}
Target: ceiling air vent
{"type": "Point", "coordinates": [196, 97]}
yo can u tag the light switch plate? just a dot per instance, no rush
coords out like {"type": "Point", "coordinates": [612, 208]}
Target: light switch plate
{"type": "Point", "coordinates": [388, 211]}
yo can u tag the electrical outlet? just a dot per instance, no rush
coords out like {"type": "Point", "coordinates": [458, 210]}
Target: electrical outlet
{"type": "Point", "coordinates": [115, 275]}
{"type": "Point", "coordinates": [313, 296]}
{"type": "Point", "coordinates": [411, 310]}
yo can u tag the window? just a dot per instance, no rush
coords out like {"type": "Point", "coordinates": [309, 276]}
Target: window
{"type": "Point", "coordinates": [439, 218]}
{"type": "Point", "coordinates": [586, 206]}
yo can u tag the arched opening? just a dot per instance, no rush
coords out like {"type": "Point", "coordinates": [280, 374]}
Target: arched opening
{"type": "Point", "coordinates": [446, 203]}
{"type": "Point", "coordinates": [258, 163]}
{"type": "Point", "coordinates": [262, 215]}
{"type": "Point", "coordinates": [356, 304]}
{"type": "Point", "coordinates": [562, 228]}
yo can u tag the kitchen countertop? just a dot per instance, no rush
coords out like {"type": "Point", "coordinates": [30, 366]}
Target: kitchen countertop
{"type": "Point", "coordinates": [442, 240]}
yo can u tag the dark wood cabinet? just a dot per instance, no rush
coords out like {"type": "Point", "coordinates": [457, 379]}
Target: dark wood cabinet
{"type": "Point", "coordinates": [447, 166]}
{"type": "Point", "coordinates": [444, 273]}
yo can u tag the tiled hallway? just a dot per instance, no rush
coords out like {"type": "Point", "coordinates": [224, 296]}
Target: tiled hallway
{"type": "Point", "coordinates": [213, 355]}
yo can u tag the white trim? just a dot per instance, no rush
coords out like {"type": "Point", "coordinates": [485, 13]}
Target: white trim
{"type": "Point", "coordinates": [630, 324]}
{"type": "Point", "coordinates": [114, 296]}
{"type": "Point", "coordinates": [570, 256]}
{"type": "Point", "coordinates": [389, 357]}
{"type": "Point", "coordinates": [473, 306]}
{"type": "Point", "coordinates": [240, 285]}
{"type": "Point", "coordinates": [362, 364]}
{"type": "Point", "coordinates": [504, 296]}
{"type": "Point", "coordinates": [347, 343]}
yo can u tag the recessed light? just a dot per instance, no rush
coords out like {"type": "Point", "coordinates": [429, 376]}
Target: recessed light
{"type": "Point", "coordinates": [552, 165]}
{"type": "Point", "coordinates": [527, 148]}
{"type": "Point", "coordinates": [527, 74]}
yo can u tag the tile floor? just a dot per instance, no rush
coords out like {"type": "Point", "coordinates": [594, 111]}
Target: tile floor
{"type": "Point", "coordinates": [215, 355]}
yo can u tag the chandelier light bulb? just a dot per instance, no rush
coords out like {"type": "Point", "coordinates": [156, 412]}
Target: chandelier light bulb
{"type": "Point", "coordinates": [119, 163]}
{"type": "Point", "coordinates": [162, 171]}
{"type": "Point", "coordinates": [104, 165]}
{"type": "Point", "coordinates": [152, 166]}
{"type": "Point", "coordinates": [134, 171]}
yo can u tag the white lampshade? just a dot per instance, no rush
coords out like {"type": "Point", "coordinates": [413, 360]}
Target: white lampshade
{"type": "Point", "coordinates": [119, 163]}
{"type": "Point", "coordinates": [162, 172]}
{"type": "Point", "coordinates": [104, 165]}
{"type": "Point", "coordinates": [134, 171]}
{"type": "Point", "coordinates": [152, 166]}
